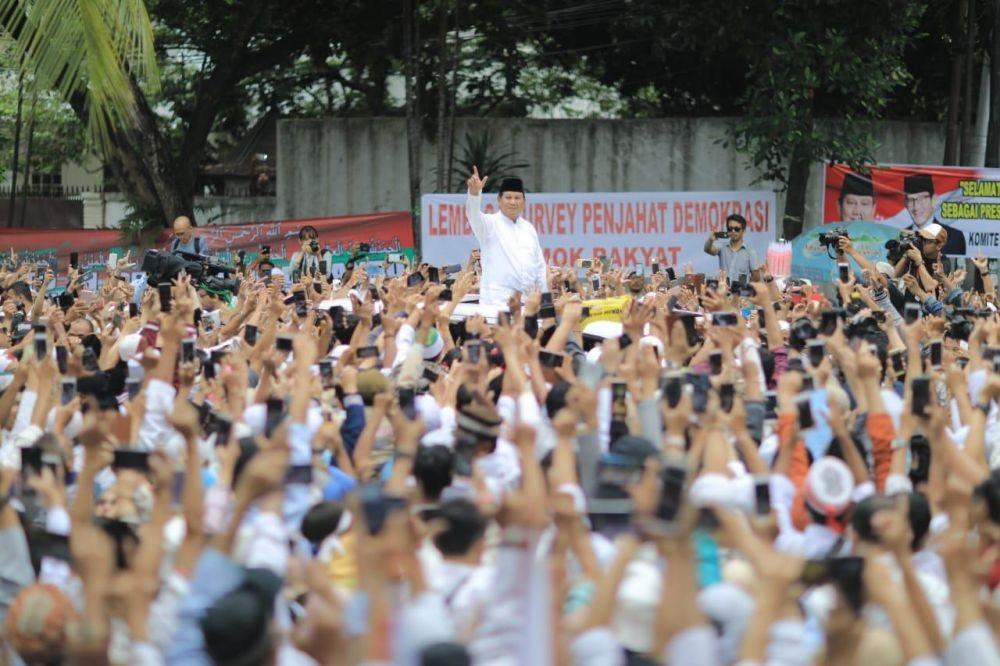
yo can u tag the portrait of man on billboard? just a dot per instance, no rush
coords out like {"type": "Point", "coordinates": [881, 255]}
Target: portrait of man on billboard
{"type": "Point", "coordinates": [918, 199]}
{"type": "Point", "coordinates": [857, 198]}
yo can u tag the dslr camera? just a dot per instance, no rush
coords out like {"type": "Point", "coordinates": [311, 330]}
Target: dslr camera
{"type": "Point", "coordinates": [896, 248]}
{"type": "Point", "coordinates": [829, 239]}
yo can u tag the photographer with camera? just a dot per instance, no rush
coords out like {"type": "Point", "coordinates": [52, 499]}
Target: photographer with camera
{"type": "Point", "coordinates": [309, 255]}
{"type": "Point", "coordinates": [922, 256]}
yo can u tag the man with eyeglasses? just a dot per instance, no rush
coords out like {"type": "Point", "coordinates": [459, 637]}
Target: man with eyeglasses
{"type": "Point", "coordinates": [737, 259]}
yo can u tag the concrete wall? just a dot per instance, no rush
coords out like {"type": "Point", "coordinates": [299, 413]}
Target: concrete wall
{"type": "Point", "coordinates": [339, 166]}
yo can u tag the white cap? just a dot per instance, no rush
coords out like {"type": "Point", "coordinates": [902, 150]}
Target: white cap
{"type": "Point", "coordinates": [604, 329]}
{"type": "Point", "coordinates": [829, 485]}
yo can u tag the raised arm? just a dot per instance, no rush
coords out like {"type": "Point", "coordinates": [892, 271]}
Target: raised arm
{"type": "Point", "coordinates": [473, 209]}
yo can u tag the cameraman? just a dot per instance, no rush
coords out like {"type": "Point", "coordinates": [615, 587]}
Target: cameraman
{"type": "Point", "coordinates": [921, 259]}
{"type": "Point", "coordinates": [306, 259]}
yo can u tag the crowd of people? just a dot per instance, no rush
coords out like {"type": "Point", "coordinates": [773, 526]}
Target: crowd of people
{"type": "Point", "coordinates": [736, 468]}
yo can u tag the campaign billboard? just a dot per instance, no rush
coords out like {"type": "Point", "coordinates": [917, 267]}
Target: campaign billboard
{"type": "Point", "coordinates": [630, 228]}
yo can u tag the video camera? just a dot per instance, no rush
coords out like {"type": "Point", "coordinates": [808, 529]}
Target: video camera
{"type": "Point", "coordinates": [163, 267]}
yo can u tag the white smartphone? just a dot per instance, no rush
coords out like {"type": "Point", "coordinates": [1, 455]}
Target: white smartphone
{"type": "Point", "coordinates": [112, 261]}
{"type": "Point", "coordinates": [396, 258]}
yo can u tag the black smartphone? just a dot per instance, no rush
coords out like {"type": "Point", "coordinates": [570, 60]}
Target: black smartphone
{"type": "Point", "coordinates": [921, 395]}
{"type": "Point", "coordinates": [275, 407]}
{"type": "Point", "coordinates": [133, 310]}
{"type": "Point", "coordinates": [208, 368]}
{"type": "Point", "coordinates": [619, 408]}
{"type": "Point", "coordinates": [935, 353]}
{"type": "Point", "coordinates": [68, 390]}
{"type": "Point", "coordinates": [721, 234]}
{"type": "Point", "coordinates": [131, 459]}
{"type": "Point", "coordinates": [712, 284]}
{"type": "Point", "coordinates": [808, 382]}
{"type": "Point", "coordinates": [284, 343]}
{"type": "Point", "coordinates": [795, 364]}
{"type": "Point", "coordinates": [41, 345]}
{"type": "Point", "coordinates": [547, 309]}
{"type": "Point", "coordinates": [165, 296]}
{"type": "Point", "coordinates": [326, 372]}
{"type": "Point", "coordinates": [673, 386]}
{"type": "Point", "coordinates": [430, 375]}
{"type": "Point", "coordinates": [805, 411]}
{"type": "Point", "coordinates": [187, 351]}
{"type": "Point", "coordinates": [725, 319]}
{"type": "Point", "coordinates": [844, 272]}
{"type": "Point", "coordinates": [371, 351]}
{"type": "Point", "coordinates": [62, 358]}
{"type": "Point", "coordinates": [817, 352]}
{"type": "Point", "coordinates": [762, 495]}
{"type": "Point", "coordinates": [595, 284]}
{"type": "Point", "coordinates": [655, 268]}
{"type": "Point", "coordinates": [133, 386]}
{"type": "Point", "coordinates": [407, 404]}
{"type": "Point", "coordinates": [473, 351]}
{"type": "Point", "coordinates": [827, 322]}
{"type": "Point", "coordinates": [299, 474]}
{"type": "Point", "coordinates": [324, 268]}
{"type": "Point", "coordinates": [433, 274]}
{"type": "Point", "coordinates": [74, 259]}
{"type": "Point", "coordinates": [911, 312]}
{"type": "Point", "coordinates": [550, 359]}
{"type": "Point", "coordinates": [672, 479]}
{"type": "Point", "coordinates": [414, 279]}
{"type": "Point", "coordinates": [250, 334]}
{"type": "Point", "coordinates": [715, 362]}
{"type": "Point", "coordinates": [265, 250]}
{"type": "Point", "coordinates": [727, 393]}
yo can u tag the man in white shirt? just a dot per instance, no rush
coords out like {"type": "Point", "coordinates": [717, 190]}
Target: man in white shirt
{"type": "Point", "coordinates": [511, 257]}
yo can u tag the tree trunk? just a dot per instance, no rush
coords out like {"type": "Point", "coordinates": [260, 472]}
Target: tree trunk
{"type": "Point", "coordinates": [953, 137]}
{"type": "Point", "coordinates": [442, 97]}
{"type": "Point", "coordinates": [993, 131]}
{"type": "Point", "coordinates": [411, 54]}
{"type": "Point", "coordinates": [455, 59]}
{"type": "Point", "coordinates": [795, 197]}
{"type": "Point", "coordinates": [968, 127]}
{"type": "Point", "coordinates": [17, 151]}
{"type": "Point", "coordinates": [27, 156]}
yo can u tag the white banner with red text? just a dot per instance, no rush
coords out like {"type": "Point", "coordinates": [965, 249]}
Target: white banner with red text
{"type": "Point", "coordinates": [630, 228]}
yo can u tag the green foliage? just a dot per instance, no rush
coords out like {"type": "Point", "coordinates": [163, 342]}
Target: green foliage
{"type": "Point", "coordinates": [58, 134]}
{"type": "Point", "coordinates": [810, 69]}
{"type": "Point", "coordinates": [91, 49]}
{"type": "Point", "coordinates": [480, 150]}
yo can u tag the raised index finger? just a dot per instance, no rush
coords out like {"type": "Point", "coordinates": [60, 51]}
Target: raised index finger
{"type": "Point", "coordinates": [475, 171]}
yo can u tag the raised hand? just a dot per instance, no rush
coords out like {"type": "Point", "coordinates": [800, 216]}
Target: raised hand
{"type": "Point", "coordinates": [476, 184]}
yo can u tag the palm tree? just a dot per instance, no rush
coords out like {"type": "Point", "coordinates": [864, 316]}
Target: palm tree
{"type": "Point", "coordinates": [91, 52]}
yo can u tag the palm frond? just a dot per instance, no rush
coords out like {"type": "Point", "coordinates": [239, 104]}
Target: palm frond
{"type": "Point", "coordinates": [92, 48]}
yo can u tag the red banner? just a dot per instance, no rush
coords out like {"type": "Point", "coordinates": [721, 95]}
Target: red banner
{"type": "Point", "coordinates": [386, 232]}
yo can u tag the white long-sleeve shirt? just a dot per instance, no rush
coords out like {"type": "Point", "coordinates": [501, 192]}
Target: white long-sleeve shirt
{"type": "Point", "coordinates": [511, 257]}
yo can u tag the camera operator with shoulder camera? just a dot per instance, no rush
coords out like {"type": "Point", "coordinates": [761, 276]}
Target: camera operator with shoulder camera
{"type": "Point", "coordinates": [309, 255]}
